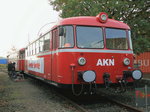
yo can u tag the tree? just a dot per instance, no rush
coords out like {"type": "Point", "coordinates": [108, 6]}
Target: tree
{"type": "Point", "coordinates": [136, 13]}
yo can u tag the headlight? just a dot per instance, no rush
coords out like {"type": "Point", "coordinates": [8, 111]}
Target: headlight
{"type": "Point", "coordinates": [136, 74]}
{"type": "Point", "coordinates": [89, 76]}
{"type": "Point", "coordinates": [82, 61]}
{"type": "Point", "coordinates": [126, 61]}
{"type": "Point", "coordinates": [104, 17]}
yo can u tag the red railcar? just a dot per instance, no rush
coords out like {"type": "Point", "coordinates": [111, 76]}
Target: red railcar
{"type": "Point", "coordinates": [18, 57]}
{"type": "Point", "coordinates": [83, 51]}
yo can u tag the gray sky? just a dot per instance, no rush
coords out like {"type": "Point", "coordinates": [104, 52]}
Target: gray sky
{"type": "Point", "coordinates": [21, 20]}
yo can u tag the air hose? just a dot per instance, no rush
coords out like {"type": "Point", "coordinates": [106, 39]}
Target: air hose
{"type": "Point", "coordinates": [73, 89]}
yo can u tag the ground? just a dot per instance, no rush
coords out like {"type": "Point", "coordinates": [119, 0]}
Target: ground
{"type": "Point", "coordinates": [29, 96]}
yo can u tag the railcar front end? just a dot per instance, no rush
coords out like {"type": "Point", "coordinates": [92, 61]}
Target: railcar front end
{"type": "Point", "coordinates": [95, 51]}
{"type": "Point", "coordinates": [100, 55]}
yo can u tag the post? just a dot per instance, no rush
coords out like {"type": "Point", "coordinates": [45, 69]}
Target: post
{"type": "Point", "coordinates": [146, 100]}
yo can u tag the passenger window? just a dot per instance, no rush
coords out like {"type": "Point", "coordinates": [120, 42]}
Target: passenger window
{"type": "Point", "coordinates": [46, 42]}
{"type": "Point", "coordinates": [33, 48]}
{"type": "Point", "coordinates": [30, 49]}
{"type": "Point", "coordinates": [41, 44]}
{"type": "Point", "coordinates": [50, 40]}
{"type": "Point", "coordinates": [26, 52]}
{"type": "Point", "coordinates": [37, 46]}
{"type": "Point", "coordinates": [55, 36]}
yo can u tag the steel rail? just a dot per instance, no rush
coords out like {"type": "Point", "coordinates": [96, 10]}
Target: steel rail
{"type": "Point", "coordinates": [73, 103]}
{"type": "Point", "coordinates": [128, 107]}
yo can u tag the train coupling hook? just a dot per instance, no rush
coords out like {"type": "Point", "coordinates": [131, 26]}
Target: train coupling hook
{"type": "Point", "coordinates": [123, 84]}
{"type": "Point", "coordinates": [106, 78]}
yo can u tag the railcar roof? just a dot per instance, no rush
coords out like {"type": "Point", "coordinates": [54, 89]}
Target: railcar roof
{"type": "Point", "coordinates": [93, 21]}
{"type": "Point", "coordinates": [22, 49]}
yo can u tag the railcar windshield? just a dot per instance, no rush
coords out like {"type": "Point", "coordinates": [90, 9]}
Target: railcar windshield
{"type": "Point", "coordinates": [89, 37]}
{"type": "Point", "coordinates": [92, 37]}
{"type": "Point", "coordinates": [116, 39]}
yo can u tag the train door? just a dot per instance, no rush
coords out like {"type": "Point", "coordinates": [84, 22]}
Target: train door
{"type": "Point", "coordinates": [49, 59]}
{"type": "Point", "coordinates": [54, 55]}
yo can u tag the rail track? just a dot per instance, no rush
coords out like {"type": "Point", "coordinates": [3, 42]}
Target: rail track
{"type": "Point", "coordinates": [84, 105]}
{"type": "Point", "coordinates": [92, 103]}
{"type": "Point", "coordinates": [128, 107]}
{"type": "Point", "coordinates": [123, 105]}
{"type": "Point", "coordinates": [77, 106]}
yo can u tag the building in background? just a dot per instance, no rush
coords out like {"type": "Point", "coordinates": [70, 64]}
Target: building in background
{"type": "Point", "coordinates": [144, 62]}
{"type": "Point", "coordinates": [3, 61]}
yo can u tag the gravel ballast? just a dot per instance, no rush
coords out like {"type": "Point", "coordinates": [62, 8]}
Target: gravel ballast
{"type": "Point", "coordinates": [29, 96]}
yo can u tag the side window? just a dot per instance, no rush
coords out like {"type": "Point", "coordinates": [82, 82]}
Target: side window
{"type": "Point", "coordinates": [33, 46]}
{"type": "Point", "coordinates": [67, 38]}
{"type": "Point", "coordinates": [47, 42]}
{"type": "Point", "coordinates": [130, 40]}
{"type": "Point", "coordinates": [41, 41]}
{"type": "Point", "coordinates": [28, 51]}
{"type": "Point", "coordinates": [31, 49]}
{"type": "Point", "coordinates": [37, 46]}
{"type": "Point", "coordinates": [55, 39]}
{"type": "Point", "coordinates": [50, 40]}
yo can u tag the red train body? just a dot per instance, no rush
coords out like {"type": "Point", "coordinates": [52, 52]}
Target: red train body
{"type": "Point", "coordinates": [83, 50]}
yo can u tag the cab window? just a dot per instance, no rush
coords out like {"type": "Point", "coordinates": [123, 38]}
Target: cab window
{"type": "Point", "coordinates": [66, 39]}
{"type": "Point", "coordinates": [89, 37]}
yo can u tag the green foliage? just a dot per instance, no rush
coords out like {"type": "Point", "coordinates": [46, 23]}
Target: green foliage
{"type": "Point", "coordinates": [141, 44]}
{"type": "Point", "coordinates": [136, 13]}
